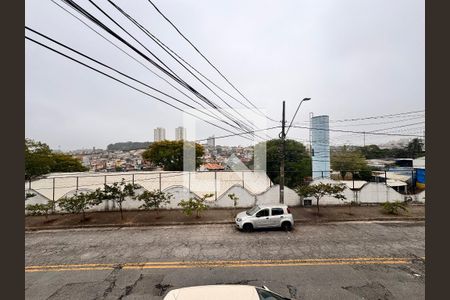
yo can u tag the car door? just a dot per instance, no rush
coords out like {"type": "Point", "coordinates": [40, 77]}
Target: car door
{"type": "Point", "coordinates": [276, 217]}
{"type": "Point", "coordinates": [262, 218]}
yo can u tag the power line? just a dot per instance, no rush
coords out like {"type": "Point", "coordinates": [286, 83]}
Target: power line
{"type": "Point", "coordinates": [237, 134]}
{"type": "Point", "coordinates": [381, 123]}
{"type": "Point", "coordinates": [378, 117]}
{"type": "Point", "coordinates": [154, 73]}
{"type": "Point", "coordinates": [373, 117]}
{"type": "Point", "coordinates": [180, 60]}
{"type": "Point", "coordinates": [121, 73]}
{"type": "Point", "coordinates": [407, 125]}
{"type": "Point", "coordinates": [121, 27]}
{"type": "Point", "coordinates": [350, 131]}
{"type": "Point", "coordinates": [126, 84]}
{"type": "Point", "coordinates": [168, 50]}
{"type": "Point", "coordinates": [207, 60]}
{"type": "Point", "coordinates": [89, 16]}
{"type": "Point", "coordinates": [123, 51]}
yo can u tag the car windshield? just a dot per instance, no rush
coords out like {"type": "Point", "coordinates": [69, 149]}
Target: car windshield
{"type": "Point", "coordinates": [252, 210]}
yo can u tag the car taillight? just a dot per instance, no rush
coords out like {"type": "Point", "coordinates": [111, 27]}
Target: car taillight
{"type": "Point", "coordinates": [288, 210]}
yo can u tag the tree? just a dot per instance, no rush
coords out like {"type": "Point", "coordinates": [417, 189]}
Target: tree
{"type": "Point", "coordinates": [79, 203]}
{"type": "Point", "coordinates": [38, 159]}
{"type": "Point", "coordinates": [415, 148]}
{"type": "Point", "coordinates": [373, 152]}
{"type": "Point", "coordinates": [297, 161]}
{"type": "Point", "coordinates": [195, 204]}
{"type": "Point", "coordinates": [169, 154]}
{"type": "Point", "coordinates": [118, 192]}
{"type": "Point", "coordinates": [321, 189]}
{"type": "Point", "coordinates": [154, 199]}
{"type": "Point", "coordinates": [66, 163]}
{"type": "Point", "coordinates": [345, 159]}
{"type": "Point", "coordinates": [235, 199]}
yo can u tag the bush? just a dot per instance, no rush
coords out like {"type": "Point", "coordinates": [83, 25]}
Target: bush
{"type": "Point", "coordinates": [118, 192]}
{"type": "Point", "coordinates": [194, 204]}
{"type": "Point", "coordinates": [394, 207]}
{"type": "Point", "coordinates": [78, 203]}
{"type": "Point", "coordinates": [154, 199]}
{"type": "Point", "coordinates": [40, 209]}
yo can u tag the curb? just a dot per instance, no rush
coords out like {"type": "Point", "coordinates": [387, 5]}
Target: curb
{"type": "Point", "coordinates": [302, 221]}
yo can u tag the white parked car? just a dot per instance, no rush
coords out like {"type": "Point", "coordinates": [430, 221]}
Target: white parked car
{"type": "Point", "coordinates": [265, 216]}
{"type": "Point", "coordinates": [223, 292]}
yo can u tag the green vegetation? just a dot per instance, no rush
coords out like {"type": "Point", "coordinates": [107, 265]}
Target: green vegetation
{"type": "Point", "coordinates": [194, 204]}
{"type": "Point", "coordinates": [79, 203]}
{"type": "Point", "coordinates": [127, 146]}
{"type": "Point", "coordinates": [40, 209]}
{"type": "Point", "coordinates": [414, 149]}
{"type": "Point", "coordinates": [118, 193]}
{"type": "Point", "coordinates": [40, 160]}
{"type": "Point", "coordinates": [233, 198]}
{"type": "Point", "coordinates": [169, 154]}
{"type": "Point", "coordinates": [29, 195]}
{"type": "Point", "coordinates": [297, 161]}
{"type": "Point", "coordinates": [393, 208]}
{"type": "Point", "coordinates": [345, 159]}
{"type": "Point", "coordinates": [321, 189]}
{"type": "Point", "coordinates": [154, 199]}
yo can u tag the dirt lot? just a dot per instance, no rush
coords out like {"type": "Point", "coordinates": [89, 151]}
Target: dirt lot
{"type": "Point", "coordinates": [168, 217]}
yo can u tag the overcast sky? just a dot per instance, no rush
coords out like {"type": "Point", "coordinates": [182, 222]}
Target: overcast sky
{"type": "Point", "coordinates": [354, 58]}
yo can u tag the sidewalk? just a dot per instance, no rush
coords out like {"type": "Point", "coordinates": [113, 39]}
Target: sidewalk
{"type": "Point", "coordinates": [214, 216]}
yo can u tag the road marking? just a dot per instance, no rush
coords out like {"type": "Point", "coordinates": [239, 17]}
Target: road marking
{"type": "Point", "coordinates": [223, 263]}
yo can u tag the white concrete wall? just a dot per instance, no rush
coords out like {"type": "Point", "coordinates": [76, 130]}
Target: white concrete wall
{"type": "Point", "coordinates": [272, 196]}
{"type": "Point", "coordinates": [246, 199]}
{"type": "Point", "coordinates": [370, 193]}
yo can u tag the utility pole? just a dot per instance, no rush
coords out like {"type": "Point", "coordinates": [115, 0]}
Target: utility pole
{"type": "Point", "coordinates": [283, 144]}
{"type": "Point", "coordinates": [282, 152]}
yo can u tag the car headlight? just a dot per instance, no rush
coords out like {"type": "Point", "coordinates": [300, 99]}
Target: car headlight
{"type": "Point", "coordinates": [238, 219]}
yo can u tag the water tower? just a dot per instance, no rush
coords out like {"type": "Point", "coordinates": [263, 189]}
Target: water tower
{"type": "Point", "coordinates": [320, 146]}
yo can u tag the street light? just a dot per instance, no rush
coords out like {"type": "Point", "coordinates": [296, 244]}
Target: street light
{"type": "Point", "coordinates": [304, 99]}
{"type": "Point", "coordinates": [283, 139]}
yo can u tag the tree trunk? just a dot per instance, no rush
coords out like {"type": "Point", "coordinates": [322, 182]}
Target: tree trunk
{"type": "Point", "coordinates": [318, 209]}
{"type": "Point", "coordinates": [82, 215]}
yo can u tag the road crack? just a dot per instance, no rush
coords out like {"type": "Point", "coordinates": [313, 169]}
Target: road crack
{"type": "Point", "coordinates": [130, 288]}
{"type": "Point", "coordinates": [112, 278]}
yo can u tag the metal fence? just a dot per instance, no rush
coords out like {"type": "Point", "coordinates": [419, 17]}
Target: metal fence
{"type": "Point", "coordinates": [56, 186]}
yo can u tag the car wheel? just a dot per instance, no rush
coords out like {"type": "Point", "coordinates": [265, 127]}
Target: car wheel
{"type": "Point", "coordinates": [286, 226]}
{"type": "Point", "coordinates": [247, 227]}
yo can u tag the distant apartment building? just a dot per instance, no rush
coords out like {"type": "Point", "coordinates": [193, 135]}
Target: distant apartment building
{"type": "Point", "coordinates": [180, 133]}
{"type": "Point", "coordinates": [159, 134]}
{"type": "Point", "coordinates": [211, 142]}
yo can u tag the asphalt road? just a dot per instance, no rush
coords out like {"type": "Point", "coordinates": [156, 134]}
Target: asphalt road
{"type": "Point", "coordinates": [328, 261]}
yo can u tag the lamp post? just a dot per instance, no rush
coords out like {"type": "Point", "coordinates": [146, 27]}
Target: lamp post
{"type": "Point", "coordinates": [283, 145]}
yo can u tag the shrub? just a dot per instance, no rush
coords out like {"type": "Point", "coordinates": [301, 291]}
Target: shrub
{"type": "Point", "coordinates": [118, 192]}
{"type": "Point", "coordinates": [40, 209]}
{"type": "Point", "coordinates": [194, 205]}
{"type": "Point", "coordinates": [79, 202]}
{"type": "Point", "coordinates": [394, 207]}
{"type": "Point", "coordinates": [321, 189]}
{"type": "Point", "coordinates": [154, 199]}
